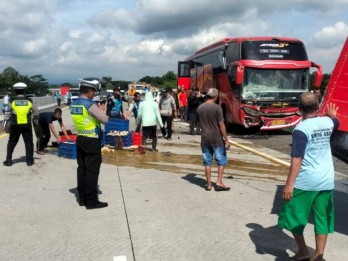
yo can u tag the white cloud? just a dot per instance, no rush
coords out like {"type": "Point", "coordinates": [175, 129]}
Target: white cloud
{"type": "Point", "coordinates": [330, 36]}
{"type": "Point", "coordinates": [34, 47]}
{"type": "Point", "coordinates": [66, 47]}
{"type": "Point", "coordinates": [326, 44]}
{"type": "Point", "coordinates": [75, 34]}
{"type": "Point", "coordinates": [69, 39]}
{"type": "Point", "coordinates": [95, 38]}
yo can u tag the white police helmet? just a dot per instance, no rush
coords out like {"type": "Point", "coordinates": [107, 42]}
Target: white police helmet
{"type": "Point", "coordinates": [89, 84]}
{"type": "Point", "coordinates": [19, 86]}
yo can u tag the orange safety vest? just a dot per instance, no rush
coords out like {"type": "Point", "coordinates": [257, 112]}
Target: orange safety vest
{"type": "Point", "coordinates": [131, 92]}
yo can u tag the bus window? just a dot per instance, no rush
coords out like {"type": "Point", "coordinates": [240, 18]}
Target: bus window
{"type": "Point", "coordinates": [184, 69]}
{"type": "Point", "coordinates": [232, 52]}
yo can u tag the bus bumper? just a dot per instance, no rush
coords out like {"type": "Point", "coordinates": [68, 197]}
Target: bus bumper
{"type": "Point", "coordinates": [280, 123]}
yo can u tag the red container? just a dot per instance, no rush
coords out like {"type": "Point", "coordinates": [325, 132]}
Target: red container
{"type": "Point", "coordinates": [137, 138]}
{"type": "Point", "coordinates": [71, 137]}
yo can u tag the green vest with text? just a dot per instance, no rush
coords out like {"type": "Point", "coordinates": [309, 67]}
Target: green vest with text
{"type": "Point", "coordinates": [86, 125]}
{"type": "Point", "coordinates": [21, 110]}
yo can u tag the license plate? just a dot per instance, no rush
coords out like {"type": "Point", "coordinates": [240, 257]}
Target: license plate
{"type": "Point", "coordinates": [278, 122]}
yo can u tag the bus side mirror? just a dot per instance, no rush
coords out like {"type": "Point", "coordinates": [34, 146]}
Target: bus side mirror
{"type": "Point", "coordinates": [239, 75]}
{"type": "Point", "coordinates": [318, 77]}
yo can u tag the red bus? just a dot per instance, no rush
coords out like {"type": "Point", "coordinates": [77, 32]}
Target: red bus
{"type": "Point", "coordinates": [259, 79]}
{"type": "Point", "coordinates": [336, 92]}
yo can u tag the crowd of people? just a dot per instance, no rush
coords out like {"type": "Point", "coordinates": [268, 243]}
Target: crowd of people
{"type": "Point", "coordinates": [309, 186]}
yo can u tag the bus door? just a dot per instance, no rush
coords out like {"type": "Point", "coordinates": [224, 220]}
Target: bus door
{"type": "Point", "coordinates": [235, 78]}
{"type": "Point", "coordinates": [184, 74]}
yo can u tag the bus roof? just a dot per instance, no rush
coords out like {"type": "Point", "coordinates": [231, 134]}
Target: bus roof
{"type": "Point", "coordinates": [241, 39]}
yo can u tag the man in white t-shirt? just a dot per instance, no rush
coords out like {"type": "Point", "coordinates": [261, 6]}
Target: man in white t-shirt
{"type": "Point", "coordinates": [310, 183]}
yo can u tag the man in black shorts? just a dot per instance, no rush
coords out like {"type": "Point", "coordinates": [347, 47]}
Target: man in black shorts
{"type": "Point", "coordinates": [43, 125]}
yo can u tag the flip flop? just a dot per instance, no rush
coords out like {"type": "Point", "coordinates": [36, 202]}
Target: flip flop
{"type": "Point", "coordinates": [293, 258]}
{"type": "Point", "coordinates": [207, 188]}
{"type": "Point", "coordinates": [222, 188]}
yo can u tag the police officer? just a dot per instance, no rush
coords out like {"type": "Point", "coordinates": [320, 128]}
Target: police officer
{"type": "Point", "coordinates": [20, 124]}
{"type": "Point", "coordinates": [87, 117]}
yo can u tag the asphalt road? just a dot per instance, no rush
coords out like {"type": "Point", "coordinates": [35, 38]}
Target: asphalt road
{"type": "Point", "coordinates": [281, 141]}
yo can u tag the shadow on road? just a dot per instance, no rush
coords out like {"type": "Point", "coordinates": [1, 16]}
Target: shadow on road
{"type": "Point", "coordinates": [272, 241]}
{"type": "Point", "coordinates": [340, 203]}
{"type": "Point", "coordinates": [195, 179]}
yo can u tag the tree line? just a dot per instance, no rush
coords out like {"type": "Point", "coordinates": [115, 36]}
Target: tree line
{"type": "Point", "coordinates": [168, 80]}
{"type": "Point", "coordinates": [39, 85]}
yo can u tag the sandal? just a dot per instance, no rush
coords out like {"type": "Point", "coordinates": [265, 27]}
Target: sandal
{"type": "Point", "coordinates": [207, 188]}
{"type": "Point", "coordinates": [222, 188]}
{"type": "Point", "coordinates": [294, 258]}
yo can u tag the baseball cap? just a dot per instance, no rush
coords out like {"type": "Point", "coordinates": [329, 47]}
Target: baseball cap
{"type": "Point", "coordinates": [212, 92]}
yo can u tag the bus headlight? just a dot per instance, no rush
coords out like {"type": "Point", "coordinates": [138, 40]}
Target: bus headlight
{"type": "Point", "coordinates": [252, 111]}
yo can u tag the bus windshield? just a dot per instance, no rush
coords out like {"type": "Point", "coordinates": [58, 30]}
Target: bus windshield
{"type": "Point", "coordinates": [270, 84]}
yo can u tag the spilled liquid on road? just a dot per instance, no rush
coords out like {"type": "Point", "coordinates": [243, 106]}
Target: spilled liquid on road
{"type": "Point", "coordinates": [187, 163]}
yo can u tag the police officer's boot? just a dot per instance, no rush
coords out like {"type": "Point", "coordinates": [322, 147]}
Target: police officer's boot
{"type": "Point", "coordinates": [8, 162]}
{"type": "Point", "coordinates": [30, 162]}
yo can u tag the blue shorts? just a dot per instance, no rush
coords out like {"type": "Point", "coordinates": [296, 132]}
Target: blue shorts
{"type": "Point", "coordinates": [218, 151]}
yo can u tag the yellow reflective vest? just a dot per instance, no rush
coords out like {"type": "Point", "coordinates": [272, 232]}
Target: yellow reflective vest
{"type": "Point", "coordinates": [85, 124]}
{"type": "Point", "coordinates": [21, 110]}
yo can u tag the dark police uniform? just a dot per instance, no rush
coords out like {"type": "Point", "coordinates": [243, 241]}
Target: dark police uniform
{"type": "Point", "coordinates": [20, 125]}
{"type": "Point", "coordinates": [88, 153]}
{"type": "Point", "coordinates": [42, 129]}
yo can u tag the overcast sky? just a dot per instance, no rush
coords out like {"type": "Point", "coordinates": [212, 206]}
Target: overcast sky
{"type": "Point", "coordinates": [127, 39]}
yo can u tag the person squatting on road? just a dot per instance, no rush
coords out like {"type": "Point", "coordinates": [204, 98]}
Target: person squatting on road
{"type": "Point", "coordinates": [168, 111]}
{"type": "Point", "coordinates": [214, 141]}
{"type": "Point", "coordinates": [21, 124]}
{"type": "Point", "coordinates": [310, 183]}
{"type": "Point", "coordinates": [87, 117]}
{"type": "Point", "coordinates": [149, 116]}
{"type": "Point", "coordinates": [134, 108]}
{"type": "Point", "coordinates": [43, 125]}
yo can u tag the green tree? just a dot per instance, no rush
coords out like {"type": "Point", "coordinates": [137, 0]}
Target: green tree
{"type": "Point", "coordinates": [122, 84]}
{"type": "Point", "coordinates": [168, 80]}
{"type": "Point", "coordinates": [106, 82]}
{"type": "Point", "coordinates": [38, 85]}
{"type": "Point", "coordinates": [169, 76]}
{"type": "Point", "coordinates": [109, 86]}
{"type": "Point", "coordinates": [8, 78]}
{"type": "Point", "coordinates": [147, 79]}
{"type": "Point", "coordinates": [168, 84]}
{"type": "Point", "coordinates": [324, 82]}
